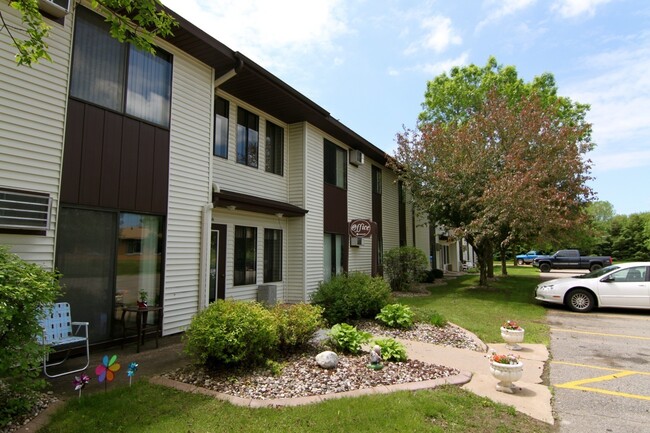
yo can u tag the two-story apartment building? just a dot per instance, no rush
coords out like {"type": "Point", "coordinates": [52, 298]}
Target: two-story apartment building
{"type": "Point", "coordinates": [191, 175]}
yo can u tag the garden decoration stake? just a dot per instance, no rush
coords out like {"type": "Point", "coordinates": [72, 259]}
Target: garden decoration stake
{"type": "Point", "coordinates": [133, 367]}
{"type": "Point", "coordinates": [106, 370]}
{"type": "Point", "coordinates": [80, 382]}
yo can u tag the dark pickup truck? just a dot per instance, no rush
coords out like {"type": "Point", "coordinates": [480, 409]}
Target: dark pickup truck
{"type": "Point", "coordinates": [570, 259]}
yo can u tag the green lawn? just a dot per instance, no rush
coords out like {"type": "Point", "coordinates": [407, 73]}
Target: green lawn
{"type": "Point", "coordinates": [483, 310]}
{"type": "Point", "coordinates": [149, 408]}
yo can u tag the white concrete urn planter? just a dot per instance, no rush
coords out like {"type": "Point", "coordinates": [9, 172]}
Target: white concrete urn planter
{"type": "Point", "coordinates": [512, 337]}
{"type": "Point", "coordinates": [506, 374]}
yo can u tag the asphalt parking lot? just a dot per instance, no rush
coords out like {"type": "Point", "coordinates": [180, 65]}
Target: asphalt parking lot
{"type": "Point", "coordinates": [600, 370]}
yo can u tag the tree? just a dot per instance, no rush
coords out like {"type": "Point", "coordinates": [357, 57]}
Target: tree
{"type": "Point", "coordinates": [134, 21]}
{"type": "Point", "coordinates": [492, 167]}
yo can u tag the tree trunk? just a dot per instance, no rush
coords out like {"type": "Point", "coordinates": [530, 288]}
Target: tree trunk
{"type": "Point", "coordinates": [504, 270]}
{"type": "Point", "coordinates": [489, 260]}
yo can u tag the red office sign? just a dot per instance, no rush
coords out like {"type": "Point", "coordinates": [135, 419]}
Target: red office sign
{"type": "Point", "coordinates": [360, 228]}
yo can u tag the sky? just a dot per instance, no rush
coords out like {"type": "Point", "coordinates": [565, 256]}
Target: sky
{"type": "Point", "coordinates": [367, 62]}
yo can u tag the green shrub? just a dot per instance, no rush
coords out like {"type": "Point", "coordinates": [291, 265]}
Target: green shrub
{"type": "Point", "coordinates": [396, 316]}
{"type": "Point", "coordinates": [296, 323]}
{"type": "Point", "coordinates": [347, 338]}
{"type": "Point", "coordinates": [437, 319]}
{"type": "Point", "coordinates": [391, 350]}
{"type": "Point", "coordinates": [353, 296]}
{"type": "Point", "coordinates": [405, 266]}
{"type": "Point", "coordinates": [24, 288]}
{"type": "Point", "coordinates": [232, 332]}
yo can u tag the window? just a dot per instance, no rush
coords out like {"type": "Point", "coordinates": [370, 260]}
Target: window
{"type": "Point", "coordinates": [22, 210]}
{"type": "Point", "coordinates": [221, 110]}
{"type": "Point", "coordinates": [274, 148]}
{"type": "Point", "coordinates": [245, 255]}
{"type": "Point", "coordinates": [272, 255]}
{"type": "Point", "coordinates": [119, 76]}
{"type": "Point", "coordinates": [335, 165]}
{"type": "Point", "coordinates": [376, 180]}
{"type": "Point", "coordinates": [247, 137]}
{"type": "Point", "coordinates": [333, 256]}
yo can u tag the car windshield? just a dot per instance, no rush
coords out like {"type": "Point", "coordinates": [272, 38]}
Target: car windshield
{"type": "Point", "coordinates": [599, 272]}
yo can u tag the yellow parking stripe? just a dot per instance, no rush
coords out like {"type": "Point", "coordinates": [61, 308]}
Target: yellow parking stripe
{"type": "Point", "coordinates": [634, 337]}
{"type": "Point", "coordinates": [578, 384]}
{"type": "Point", "coordinates": [592, 314]}
{"type": "Point", "coordinates": [596, 367]}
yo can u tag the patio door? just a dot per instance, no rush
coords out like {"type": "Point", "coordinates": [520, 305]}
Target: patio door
{"type": "Point", "coordinates": [217, 288]}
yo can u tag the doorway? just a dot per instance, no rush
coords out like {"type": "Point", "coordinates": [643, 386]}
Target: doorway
{"type": "Point", "coordinates": [218, 238]}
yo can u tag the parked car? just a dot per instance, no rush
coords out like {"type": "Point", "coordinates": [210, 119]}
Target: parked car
{"type": "Point", "coordinates": [570, 259]}
{"type": "Point", "coordinates": [623, 286]}
{"type": "Point", "coordinates": [526, 258]}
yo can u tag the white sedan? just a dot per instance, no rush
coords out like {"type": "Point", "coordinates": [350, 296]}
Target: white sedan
{"type": "Point", "coordinates": [623, 286]}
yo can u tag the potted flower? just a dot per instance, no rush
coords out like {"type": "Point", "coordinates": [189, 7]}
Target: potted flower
{"type": "Point", "coordinates": [512, 334]}
{"type": "Point", "coordinates": [142, 300]}
{"type": "Point", "coordinates": [506, 369]}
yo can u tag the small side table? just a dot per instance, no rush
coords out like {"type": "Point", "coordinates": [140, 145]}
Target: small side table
{"type": "Point", "coordinates": [141, 326]}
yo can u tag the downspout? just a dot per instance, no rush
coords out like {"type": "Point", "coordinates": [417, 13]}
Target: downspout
{"type": "Point", "coordinates": [230, 74]}
{"type": "Point", "coordinates": [206, 219]}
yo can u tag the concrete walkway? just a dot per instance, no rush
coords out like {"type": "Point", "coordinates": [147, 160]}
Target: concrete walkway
{"type": "Point", "coordinates": [530, 397]}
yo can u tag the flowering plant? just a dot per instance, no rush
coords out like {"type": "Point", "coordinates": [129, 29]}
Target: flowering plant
{"type": "Point", "coordinates": [504, 359]}
{"type": "Point", "coordinates": [511, 324]}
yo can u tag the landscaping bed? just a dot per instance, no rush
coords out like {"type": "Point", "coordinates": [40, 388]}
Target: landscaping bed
{"type": "Point", "coordinates": [298, 374]}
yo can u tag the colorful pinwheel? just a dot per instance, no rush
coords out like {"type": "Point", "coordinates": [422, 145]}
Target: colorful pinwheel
{"type": "Point", "coordinates": [80, 382]}
{"type": "Point", "coordinates": [133, 367]}
{"type": "Point", "coordinates": [106, 370]}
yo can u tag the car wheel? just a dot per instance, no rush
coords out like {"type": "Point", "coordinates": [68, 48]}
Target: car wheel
{"type": "Point", "coordinates": [545, 267]}
{"type": "Point", "coordinates": [595, 267]}
{"type": "Point", "coordinates": [580, 300]}
{"type": "Point", "coordinates": [520, 262]}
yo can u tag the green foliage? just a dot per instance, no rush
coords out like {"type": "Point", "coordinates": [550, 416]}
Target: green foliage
{"type": "Point", "coordinates": [353, 296]}
{"type": "Point", "coordinates": [391, 350]}
{"type": "Point", "coordinates": [232, 332]}
{"type": "Point", "coordinates": [347, 338]}
{"type": "Point", "coordinates": [137, 22]}
{"type": "Point", "coordinates": [437, 319]}
{"type": "Point", "coordinates": [404, 266]}
{"type": "Point", "coordinates": [24, 288]}
{"type": "Point", "coordinates": [296, 323]}
{"type": "Point", "coordinates": [396, 316]}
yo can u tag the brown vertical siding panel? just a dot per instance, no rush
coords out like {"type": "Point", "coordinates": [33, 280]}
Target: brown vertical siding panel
{"type": "Point", "coordinates": [91, 158]}
{"type": "Point", "coordinates": [72, 152]}
{"type": "Point", "coordinates": [336, 210]}
{"type": "Point", "coordinates": [160, 172]}
{"type": "Point", "coordinates": [144, 189]}
{"type": "Point", "coordinates": [111, 154]}
{"type": "Point", "coordinates": [129, 164]}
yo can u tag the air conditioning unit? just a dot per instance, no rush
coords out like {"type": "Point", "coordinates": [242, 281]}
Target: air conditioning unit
{"type": "Point", "coordinates": [356, 241]}
{"type": "Point", "coordinates": [267, 294]}
{"type": "Point", "coordinates": [55, 8]}
{"type": "Point", "coordinates": [356, 157]}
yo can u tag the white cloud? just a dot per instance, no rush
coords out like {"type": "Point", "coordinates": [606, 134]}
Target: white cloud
{"type": "Point", "coordinates": [619, 95]}
{"type": "Point", "coordinates": [439, 35]}
{"type": "Point", "coordinates": [574, 8]}
{"type": "Point", "coordinates": [501, 8]}
{"type": "Point", "coordinates": [437, 68]}
{"type": "Point", "coordinates": [261, 29]}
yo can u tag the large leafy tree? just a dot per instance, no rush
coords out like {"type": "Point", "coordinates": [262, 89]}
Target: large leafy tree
{"type": "Point", "coordinates": [497, 160]}
{"type": "Point", "coordinates": [135, 21]}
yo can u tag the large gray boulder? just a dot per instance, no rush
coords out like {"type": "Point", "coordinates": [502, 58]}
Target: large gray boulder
{"type": "Point", "coordinates": [327, 359]}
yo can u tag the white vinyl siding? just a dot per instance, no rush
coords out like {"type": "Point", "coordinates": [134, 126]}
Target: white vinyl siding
{"type": "Point", "coordinates": [32, 124]}
{"type": "Point", "coordinates": [314, 167]}
{"type": "Point", "coordinates": [295, 236]}
{"type": "Point", "coordinates": [390, 210]}
{"type": "Point", "coordinates": [228, 174]}
{"type": "Point", "coordinates": [189, 188]}
{"type": "Point", "coordinates": [360, 207]}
